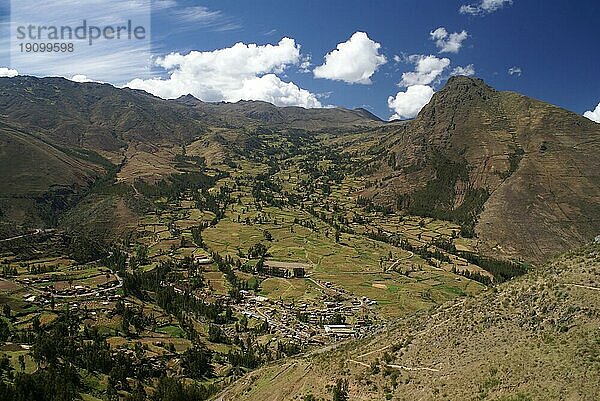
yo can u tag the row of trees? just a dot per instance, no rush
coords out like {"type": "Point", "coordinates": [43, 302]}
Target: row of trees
{"type": "Point", "coordinates": [502, 270]}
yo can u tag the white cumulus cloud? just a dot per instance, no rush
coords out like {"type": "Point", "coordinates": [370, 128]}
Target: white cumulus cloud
{"type": "Point", "coordinates": [408, 104]}
{"type": "Point", "coordinates": [515, 71]}
{"type": "Point", "coordinates": [484, 7]}
{"type": "Point", "coordinates": [353, 61]}
{"type": "Point", "coordinates": [427, 70]}
{"type": "Point", "coordinates": [240, 72]}
{"type": "Point", "coordinates": [448, 42]}
{"type": "Point", "coordinates": [467, 71]}
{"type": "Point", "coordinates": [8, 72]}
{"type": "Point", "coordinates": [593, 115]}
{"type": "Point", "coordinates": [81, 78]}
{"type": "Point", "coordinates": [273, 90]}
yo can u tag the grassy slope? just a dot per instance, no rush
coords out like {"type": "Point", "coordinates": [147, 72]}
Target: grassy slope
{"type": "Point", "coordinates": [21, 151]}
{"type": "Point", "coordinates": [37, 174]}
{"type": "Point", "coordinates": [536, 337]}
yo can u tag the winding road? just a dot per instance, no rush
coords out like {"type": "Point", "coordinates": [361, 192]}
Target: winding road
{"type": "Point", "coordinates": [400, 260]}
{"type": "Point", "coordinates": [37, 231]}
{"type": "Point", "coordinates": [588, 287]}
{"type": "Point", "coordinates": [401, 367]}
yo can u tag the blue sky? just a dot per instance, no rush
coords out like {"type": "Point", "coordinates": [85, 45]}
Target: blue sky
{"type": "Point", "coordinates": [554, 45]}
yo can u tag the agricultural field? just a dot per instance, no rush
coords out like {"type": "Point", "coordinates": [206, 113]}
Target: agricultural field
{"type": "Point", "coordinates": [230, 267]}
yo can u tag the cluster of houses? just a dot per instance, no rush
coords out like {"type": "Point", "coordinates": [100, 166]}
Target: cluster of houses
{"type": "Point", "coordinates": [308, 323]}
{"type": "Point", "coordinates": [46, 289]}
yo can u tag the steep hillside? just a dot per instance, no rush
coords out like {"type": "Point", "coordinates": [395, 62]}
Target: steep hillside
{"type": "Point", "coordinates": [534, 338]}
{"type": "Point", "coordinates": [93, 116]}
{"type": "Point", "coordinates": [518, 173]}
{"type": "Point", "coordinates": [40, 179]}
{"type": "Point", "coordinates": [60, 137]}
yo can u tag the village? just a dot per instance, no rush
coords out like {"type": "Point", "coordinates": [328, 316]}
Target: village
{"type": "Point", "coordinates": [337, 314]}
{"type": "Point", "coordinates": [332, 319]}
{"type": "Point", "coordinates": [93, 290]}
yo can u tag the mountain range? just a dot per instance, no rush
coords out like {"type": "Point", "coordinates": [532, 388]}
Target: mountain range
{"type": "Point", "coordinates": [519, 175]}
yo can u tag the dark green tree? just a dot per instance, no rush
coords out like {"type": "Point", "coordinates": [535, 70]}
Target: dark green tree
{"type": "Point", "coordinates": [340, 390]}
{"type": "Point", "coordinates": [196, 362]}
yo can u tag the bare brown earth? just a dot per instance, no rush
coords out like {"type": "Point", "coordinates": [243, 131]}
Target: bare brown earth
{"type": "Point", "coordinates": [553, 198]}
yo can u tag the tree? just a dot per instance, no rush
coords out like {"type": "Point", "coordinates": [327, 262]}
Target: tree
{"type": "Point", "coordinates": [4, 330]}
{"type": "Point", "coordinates": [117, 260]}
{"type": "Point", "coordinates": [172, 389]}
{"type": "Point", "coordinates": [141, 254]}
{"type": "Point", "coordinates": [85, 250]}
{"type": "Point", "coordinates": [197, 236]}
{"type": "Point", "coordinates": [340, 390]}
{"type": "Point", "coordinates": [216, 335]}
{"type": "Point", "coordinates": [257, 250]}
{"type": "Point", "coordinates": [196, 362]}
{"type": "Point", "coordinates": [138, 394]}
{"type": "Point", "coordinates": [268, 236]}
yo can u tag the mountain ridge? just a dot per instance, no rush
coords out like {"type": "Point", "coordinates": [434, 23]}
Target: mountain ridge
{"type": "Point", "coordinates": [516, 173]}
{"type": "Point", "coordinates": [496, 144]}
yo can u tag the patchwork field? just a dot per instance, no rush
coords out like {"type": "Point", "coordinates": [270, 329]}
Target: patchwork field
{"type": "Point", "coordinates": [239, 264]}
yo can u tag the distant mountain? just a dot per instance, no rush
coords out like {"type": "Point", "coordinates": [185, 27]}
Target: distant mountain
{"type": "Point", "coordinates": [254, 111]}
{"type": "Point", "coordinates": [520, 174]}
{"type": "Point", "coordinates": [58, 137]}
{"type": "Point", "coordinates": [367, 114]}
{"type": "Point", "coordinates": [94, 116]}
